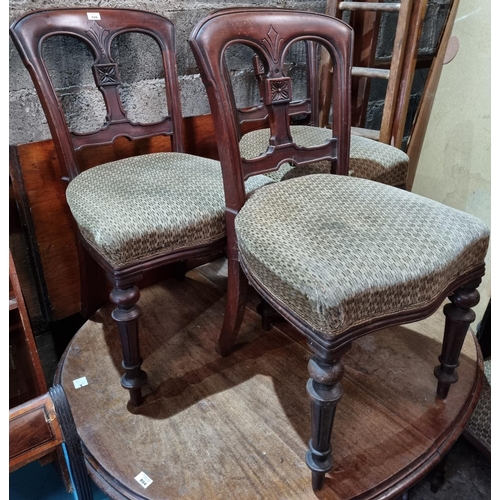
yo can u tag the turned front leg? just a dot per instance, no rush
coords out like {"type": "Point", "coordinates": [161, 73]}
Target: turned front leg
{"type": "Point", "coordinates": [459, 316]}
{"type": "Point", "coordinates": [126, 314]}
{"type": "Point", "coordinates": [325, 391]}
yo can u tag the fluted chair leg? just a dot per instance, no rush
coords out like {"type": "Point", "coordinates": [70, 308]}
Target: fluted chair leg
{"type": "Point", "coordinates": [325, 390]}
{"type": "Point", "coordinates": [126, 314]}
{"type": "Point", "coordinates": [459, 316]}
{"type": "Point", "coordinates": [237, 291]}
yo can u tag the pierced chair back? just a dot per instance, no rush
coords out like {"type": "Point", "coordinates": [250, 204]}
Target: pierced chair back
{"type": "Point", "coordinates": [306, 109]}
{"type": "Point", "coordinates": [137, 213]}
{"type": "Point", "coordinates": [97, 30]}
{"type": "Point", "coordinates": [270, 34]}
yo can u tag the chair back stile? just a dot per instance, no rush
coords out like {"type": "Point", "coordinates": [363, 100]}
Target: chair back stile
{"type": "Point", "coordinates": [270, 33]}
{"type": "Point", "coordinates": [29, 35]}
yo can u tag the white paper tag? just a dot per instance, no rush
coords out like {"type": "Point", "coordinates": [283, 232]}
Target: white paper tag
{"type": "Point", "coordinates": [143, 479]}
{"type": "Point", "coordinates": [80, 382]}
{"type": "Point", "coordinates": [93, 16]}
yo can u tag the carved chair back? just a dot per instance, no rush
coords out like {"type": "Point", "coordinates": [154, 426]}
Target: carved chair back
{"type": "Point", "coordinates": [270, 34]}
{"type": "Point", "coordinates": [97, 29]}
{"type": "Point", "coordinates": [307, 106]}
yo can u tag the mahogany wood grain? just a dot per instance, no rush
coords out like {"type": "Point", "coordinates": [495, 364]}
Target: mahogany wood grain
{"type": "Point", "coordinates": [238, 427]}
{"type": "Point", "coordinates": [269, 33]}
{"type": "Point", "coordinates": [25, 359]}
{"type": "Point", "coordinates": [34, 431]}
{"type": "Point", "coordinates": [29, 34]}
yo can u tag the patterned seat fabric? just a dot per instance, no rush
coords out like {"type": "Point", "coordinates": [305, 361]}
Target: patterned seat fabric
{"type": "Point", "coordinates": [132, 209]}
{"type": "Point", "coordinates": [479, 425]}
{"type": "Point", "coordinates": [340, 251]}
{"type": "Point", "coordinates": [368, 159]}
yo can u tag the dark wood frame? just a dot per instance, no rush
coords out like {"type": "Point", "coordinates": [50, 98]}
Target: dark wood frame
{"type": "Point", "coordinates": [253, 27]}
{"type": "Point", "coordinates": [28, 34]}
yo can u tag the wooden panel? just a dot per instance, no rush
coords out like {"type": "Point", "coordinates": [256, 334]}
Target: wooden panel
{"type": "Point", "coordinates": [26, 378]}
{"type": "Point", "coordinates": [238, 427]}
{"type": "Point", "coordinates": [34, 431]}
{"type": "Point", "coordinates": [53, 226]}
{"type": "Point", "coordinates": [41, 194]}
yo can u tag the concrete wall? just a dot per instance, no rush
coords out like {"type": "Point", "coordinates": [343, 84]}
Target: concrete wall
{"type": "Point", "coordinates": [455, 162]}
{"type": "Point", "coordinates": [139, 70]}
{"type": "Point", "coordinates": [143, 88]}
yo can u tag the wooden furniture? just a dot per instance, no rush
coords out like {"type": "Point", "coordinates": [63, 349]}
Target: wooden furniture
{"type": "Point", "coordinates": [39, 193]}
{"type": "Point", "coordinates": [139, 213]}
{"type": "Point", "coordinates": [26, 378]}
{"type": "Point", "coordinates": [369, 158]}
{"type": "Point", "coordinates": [236, 427]}
{"type": "Point", "coordinates": [421, 120]}
{"type": "Point", "coordinates": [365, 17]}
{"type": "Point", "coordinates": [338, 257]}
{"type": "Point", "coordinates": [392, 75]}
{"type": "Point", "coordinates": [40, 427]}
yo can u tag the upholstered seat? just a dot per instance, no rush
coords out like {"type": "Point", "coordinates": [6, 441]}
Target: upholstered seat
{"type": "Point", "coordinates": [139, 213]}
{"type": "Point", "coordinates": [352, 250]}
{"type": "Point", "coordinates": [369, 159]}
{"type": "Point", "coordinates": [132, 209]}
{"type": "Point", "coordinates": [337, 256]}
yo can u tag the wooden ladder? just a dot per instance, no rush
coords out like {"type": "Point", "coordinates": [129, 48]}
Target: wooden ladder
{"type": "Point", "coordinates": [399, 76]}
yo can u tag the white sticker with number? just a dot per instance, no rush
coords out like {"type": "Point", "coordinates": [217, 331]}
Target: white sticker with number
{"type": "Point", "coordinates": [80, 382]}
{"type": "Point", "coordinates": [93, 16]}
{"type": "Point", "coordinates": [143, 479]}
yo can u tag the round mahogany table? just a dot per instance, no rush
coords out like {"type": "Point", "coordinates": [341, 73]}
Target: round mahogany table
{"type": "Point", "coordinates": [238, 427]}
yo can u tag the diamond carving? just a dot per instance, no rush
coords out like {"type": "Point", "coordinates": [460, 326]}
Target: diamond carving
{"type": "Point", "coordinates": [273, 43]}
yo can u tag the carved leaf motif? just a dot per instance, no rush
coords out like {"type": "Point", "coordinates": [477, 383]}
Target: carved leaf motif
{"type": "Point", "coordinates": [99, 34]}
{"type": "Point", "coordinates": [273, 42]}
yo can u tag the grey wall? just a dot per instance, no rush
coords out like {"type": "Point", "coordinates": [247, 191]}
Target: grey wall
{"type": "Point", "coordinates": [143, 86]}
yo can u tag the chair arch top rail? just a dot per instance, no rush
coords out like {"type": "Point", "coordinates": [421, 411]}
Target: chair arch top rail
{"type": "Point", "coordinates": [97, 28]}
{"type": "Point", "coordinates": [270, 32]}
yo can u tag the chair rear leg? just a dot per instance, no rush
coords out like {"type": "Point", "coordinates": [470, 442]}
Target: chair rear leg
{"type": "Point", "coordinates": [459, 316]}
{"type": "Point", "coordinates": [237, 291]}
{"type": "Point", "coordinates": [267, 313]}
{"type": "Point", "coordinates": [325, 390]}
{"type": "Point", "coordinates": [126, 314]}
{"type": "Point", "coordinates": [180, 269]}
{"type": "Point", "coordinates": [93, 286]}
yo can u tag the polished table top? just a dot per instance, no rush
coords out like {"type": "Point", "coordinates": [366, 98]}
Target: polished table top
{"type": "Point", "coordinates": [237, 427]}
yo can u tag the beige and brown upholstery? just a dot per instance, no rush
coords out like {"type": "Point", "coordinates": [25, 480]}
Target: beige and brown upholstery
{"type": "Point", "coordinates": [338, 251]}
{"type": "Point", "coordinates": [135, 214]}
{"type": "Point", "coordinates": [478, 429]}
{"type": "Point", "coordinates": [368, 159]}
{"type": "Point", "coordinates": [337, 256]}
{"type": "Point", "coordinates": [133, 209]}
